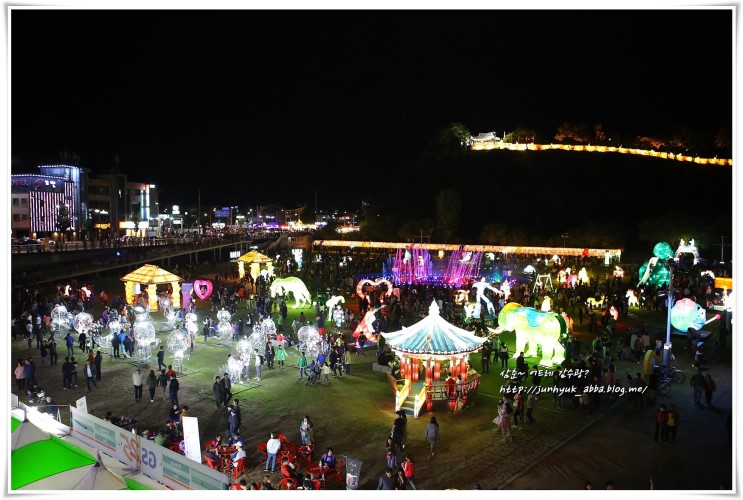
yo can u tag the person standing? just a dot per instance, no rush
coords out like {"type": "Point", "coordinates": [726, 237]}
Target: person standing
{"type": "Point", "coordinates": [432, 436]}
{"type": "Point", "coordinates": [709, 388]}
{"type": "Point", "coordinates": [174, 388]}
{"type": "Point", "coordinates": [161, 358]}
{"type": "Point", "coordinates": [302, 364]}
{"type": "Point", "coordinates": [531, 403]}
{"type": "Point", "coordinates": [218, 391]}
{"type": "Point", "coordinates": [305, 430]}
{"type": "Point", "coordinates": [270, 355]}
{"type": "Point", "coordinates": [19, 380]}
{"type": "Point", "coordinates": [505, 411]}
{"type": "Point", "coordinates": [232, 424]}
{"type": "Point", "coordinates": [66, 373]}
{"type": "Point", "coordinates": [408, 468]}
{"type": "Point", "coordinates": [97, 361]}
{"type": "Point", "coordinates": [518, 410]}
{"type": "Point", "coordinates": [226, 384]}
{"type": "Point", "coordinates": [70, 343]}
{"type": "Point", "coordinates": [137, 382]}
{"type": "Point", "coordinates": [258, 364]}
{"type": "Point", "coordinates": [89, 372]}
{"type": "Point", "coordinates": [673, 422]}
{"type": "Point", "coordinates": [698, 383]}
{"type": "Point", "coordinates": [361, 339]}
{"type": "Point", "coordinates": [503, 353]}
{"type": "Point", "coordinates": [29, 373]}
{"type": "Point", "coordinates": [386, 481]}
{"type": "Point", "coordinates": [485, 358]}
{"type": "Point", "coordinates": [152, 385]}
{"type": "Point", "coordinates": [116, 344]}
{"type": "Point", "coordinates": [346, 361]}
{"type": "Point", "coordinates": [272, 449]}
{"type": "Point", "coordinates": [53, 352]}
{"type": "Point", "coordinates": [661, 424]}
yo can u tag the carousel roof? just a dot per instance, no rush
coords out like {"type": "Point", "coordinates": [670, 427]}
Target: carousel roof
{"type": "Point", "coordinates": [255, 256]}
{"type": "Point", "coordinates": [433, 335]}
{"type": "Point", "coordinates": [151, 275]}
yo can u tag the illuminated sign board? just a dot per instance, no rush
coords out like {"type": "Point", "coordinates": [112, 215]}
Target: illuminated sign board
{"type": "Point", "coordinates": [26, 183]}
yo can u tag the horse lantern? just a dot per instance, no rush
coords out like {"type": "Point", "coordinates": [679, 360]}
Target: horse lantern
{"type": "Point", "coordinates": [281, 286]}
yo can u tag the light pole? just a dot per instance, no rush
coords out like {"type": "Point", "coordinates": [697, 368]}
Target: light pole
{"type": "Point", "coordinates": [667, 346]}
{"type": "Point", "coordinates": [564, 236]}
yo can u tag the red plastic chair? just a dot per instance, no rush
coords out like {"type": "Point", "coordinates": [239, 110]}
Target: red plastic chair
{"type": "Point", "coordinates": [335, 473]}
{"type": "Point", "coordinates": [214, 464]}
{"type": "Point", "coordinates": [305, 452]}
{"type": "Point", "coordinates": [283, 439]}
{"type": "Point", "coordinates": [316, 484]}
{"type": "Point", "coordinates": [288, 484]}
{"type": "Point", "coordinates": [239, 469]}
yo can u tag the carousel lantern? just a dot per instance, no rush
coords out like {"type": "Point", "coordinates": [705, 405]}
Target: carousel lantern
{"type": "Point", "coordinates": [437, 371]}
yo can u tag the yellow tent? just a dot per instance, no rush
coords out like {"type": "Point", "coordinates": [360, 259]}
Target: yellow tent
{"type": "Point", "coordinates": [151, 276]}
{"type": "Point", "coordinates": [255, 259]}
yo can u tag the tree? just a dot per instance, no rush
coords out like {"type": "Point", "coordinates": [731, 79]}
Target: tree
{"type": "Point", "coordinates": [136, 218]}
{"type": "Point", "coordinates": [647, 142]}
{"type": "Point", "coordinates": [448, 210]}
{"type": "Point", "coordinates": [723, 139]}
{"type": "Point", "coordinates": [568, 132]}
{"type": "Point", "coordinates": [598, 133]}
{"type": "Point", "coordinates": [521, 135]}
{"type": "Point", "coordinates": [63, 220]}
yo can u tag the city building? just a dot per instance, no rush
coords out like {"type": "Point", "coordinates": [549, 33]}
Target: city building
{"type": "Point", "coordinates": [35, 205]}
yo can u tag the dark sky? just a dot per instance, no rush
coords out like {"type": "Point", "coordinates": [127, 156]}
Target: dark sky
{"type": "Point", "coordinates": [269, 106]}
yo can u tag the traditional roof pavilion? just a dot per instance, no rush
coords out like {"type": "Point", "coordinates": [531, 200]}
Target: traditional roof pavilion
{"type": "Point", "coordinates": [433, 336]}
{"type": "Point", "coordinates": [428, 343]}
{"type": "Point", "coordinates": [255, 259]}
{"type": "Point", "coordinates": [152, 276]}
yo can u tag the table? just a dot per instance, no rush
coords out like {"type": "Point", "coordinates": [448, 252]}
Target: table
{"type": "Point", "coordinates": [317, 470]}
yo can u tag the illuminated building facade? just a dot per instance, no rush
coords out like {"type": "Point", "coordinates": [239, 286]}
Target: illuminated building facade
{"type": "Point", "coordinates": [35, 202]}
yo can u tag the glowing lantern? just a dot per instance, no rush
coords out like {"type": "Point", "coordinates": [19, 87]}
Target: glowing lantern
{"type": "Point", "coordinates": [686, 313]}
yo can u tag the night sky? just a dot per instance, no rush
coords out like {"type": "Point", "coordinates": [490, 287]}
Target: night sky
{"type": "Point", "coordinates": [268, 106]}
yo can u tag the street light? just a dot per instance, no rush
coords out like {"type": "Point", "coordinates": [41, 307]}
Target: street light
{"type": "Point", "coordinates": [564, 236]}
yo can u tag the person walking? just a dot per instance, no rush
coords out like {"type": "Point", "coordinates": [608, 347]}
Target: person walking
{"type": "Point", "coordinates": [673, 422]}
{"type": "Point", "coordinates": [98, 362]}
{"type": "Point", "coordinates": [709, 388]}
{"type": "Point", "coordinates": [232, 423]}
{"type": "Point", "coordinates": [137, 382]}
{"type": "Point", "coordinates": [661, 424]}
{"type": "Point", "coordinates": [174, 388]}
{"type": "Point", "coordinates": [29, 373]}
{"type": "Point", "coordinates": [70, 343]}
{"type": "Point", "coordinates": [161, 358]}
{"type": "Point", "coordinates": [408, 468]}
{"type": "Point", "coordinates": [152, 385]}
{"type": "Point", "coordinates": [698, 383]}
{"type": "Point", "coordinates": [218, 391]}
{"type": "Point", "coordinates": [162, 381]}
{"type": "Point", "coordinates": [432, 436]}
{"type": "Point", "coordinates": [89, 372]}
{"type": "Point", "coordinates": [281, 356]}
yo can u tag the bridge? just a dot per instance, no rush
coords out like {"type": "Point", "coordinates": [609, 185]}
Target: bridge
{"type": "Point", "coordinates": [75, 260]}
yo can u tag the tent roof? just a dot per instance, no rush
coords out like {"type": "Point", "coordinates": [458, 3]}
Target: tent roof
{"type": "Point", "coordinates": [433, 335]}
{"type": "Point", "coordinates": [151, 275]}
{"type": "Point", "coordinates": [49, 457]}
{"type": "Point", "coordinates": [99, 477]}
{"type": "Point", "coordinates": [26, 433]}
{"type": "Point", "coordinates": [255, 256]}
